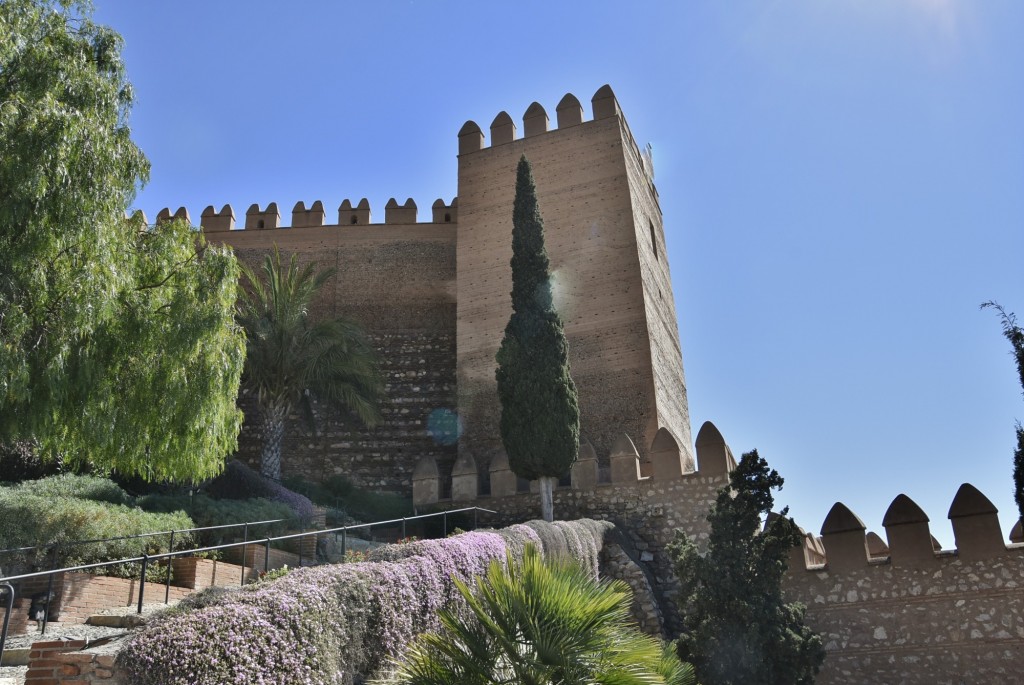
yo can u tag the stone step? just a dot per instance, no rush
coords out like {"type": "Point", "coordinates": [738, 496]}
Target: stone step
{"type": "Point", "coordinates": [15, 656]}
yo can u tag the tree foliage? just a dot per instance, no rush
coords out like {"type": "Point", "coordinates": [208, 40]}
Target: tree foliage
{"type": "Point", "coordinates": [737, 629]}
{"type": "Point", "coordinates": [1015, 334]}
{"type": "Point", "coordinates": [289, 357]}
{"type": "Point", "coordinates": [540, 416]}
{"type": "Point", "coordinates": [117, 341]}
{"type": "Point", "coordinates": [540, 622]}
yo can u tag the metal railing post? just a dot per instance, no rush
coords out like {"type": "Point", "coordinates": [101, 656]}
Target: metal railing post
{"type": "Point", "coordinates": [403, 528]}
{"type": "Point", "coordinates": [7, 614]}
{"type": "Point", "coordinates": [167, 585]}
{"type": "Point", "coordinates": [344, 541]}
{"type": "Point", "coordinates": [245, 539]}
{"type": "Point", "coordinates": [142, 579]}
{"type": "Point", "coordinates": [49, 590]}
{"type": "Point", "coordinates": [475, 510]}
{"type": "Point", "coordinates": [445, 528]}
{"type": "Point", "coordinates": [266, 557]}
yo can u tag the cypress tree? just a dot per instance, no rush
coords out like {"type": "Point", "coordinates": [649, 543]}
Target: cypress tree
{"type": "Point", "coordinates": [540, 416]}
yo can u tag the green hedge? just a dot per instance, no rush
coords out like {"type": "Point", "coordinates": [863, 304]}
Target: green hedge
{"type": "Point", "coordinates": [29, 519]}
{"type": "Point", "coordinates": [206, 511]}
{"type": "Point", "coordinates": [70, 485]}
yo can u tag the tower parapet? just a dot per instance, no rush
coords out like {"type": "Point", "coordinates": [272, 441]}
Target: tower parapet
{"type": "Point", "coordinates": [603, 235]}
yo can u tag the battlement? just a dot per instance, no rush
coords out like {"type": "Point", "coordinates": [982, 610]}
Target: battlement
{"type": "Point", "coordinates": [568, 112]}
{"type": "Point", "coordinates": [667, 464]}
{"type": "Point", "coordinates": [846, 545]}
{"type": "Point", "coordinates": [257, 219]}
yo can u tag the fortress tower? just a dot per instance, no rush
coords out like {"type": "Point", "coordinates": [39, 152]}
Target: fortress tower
{"type": "Point", "coordinates": [434, 297]}
{"type": "Point", "coordinates": [606, 244]}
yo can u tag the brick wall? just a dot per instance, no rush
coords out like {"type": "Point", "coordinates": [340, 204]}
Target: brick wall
{"type": "Point", "coordinates": [60, 662]}
{"type": "Point", "coordinates": [80, 595]}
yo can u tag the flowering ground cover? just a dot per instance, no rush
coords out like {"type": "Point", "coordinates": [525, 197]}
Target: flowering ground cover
{"type": "Point", "coordinates": [332, 624]}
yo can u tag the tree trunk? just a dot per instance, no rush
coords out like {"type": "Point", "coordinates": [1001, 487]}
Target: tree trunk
{"type": "Point", "coordinates": [547, 506]}
{"type": "Point", "coordinates": [273, 435]}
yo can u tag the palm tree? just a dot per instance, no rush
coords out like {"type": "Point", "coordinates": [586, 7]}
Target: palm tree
{"type": "Point", "coordinates": [540, 623]}
{"type": "Point", "coordinates": [289, 357]}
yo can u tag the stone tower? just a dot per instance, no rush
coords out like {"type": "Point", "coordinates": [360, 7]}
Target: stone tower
{"type": "Point", "coordinates": [606, 244]}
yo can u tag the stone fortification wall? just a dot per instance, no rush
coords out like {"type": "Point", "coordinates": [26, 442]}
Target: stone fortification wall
{"type": "Point", "coordinates": [906, 612]}
{"type": "Point", "coordinates": [396, 279]}
{"type": "Point", "coordinates": [647, 510]}
{"type": "Point", "coordinates": [591, 183]}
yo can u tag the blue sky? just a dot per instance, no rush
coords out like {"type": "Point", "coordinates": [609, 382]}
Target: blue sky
{"type": "Point", "coordinates": [842, 184]}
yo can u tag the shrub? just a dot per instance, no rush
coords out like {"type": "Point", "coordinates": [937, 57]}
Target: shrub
{"type": "Point", "coordinates": [326, 624]}
{"type": "Point", "coordinates": [28, 519]}
{"type": "Point", "coordinates": [206, 511]}
{"type": "Point", "coordinates": [238, 481]}
{"type": "Point", "coordinates": [338, 492]}
{"type": "Point", "coordinates": [92, 488]}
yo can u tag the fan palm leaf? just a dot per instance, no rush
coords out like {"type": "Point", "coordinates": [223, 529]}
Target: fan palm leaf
{"type": "Point", "coordinates": [540, 623]}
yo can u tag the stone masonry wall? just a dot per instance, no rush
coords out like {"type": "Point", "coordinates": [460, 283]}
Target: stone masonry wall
{"type": "Point", "coordinates": [397, 281]}
{"type": "Point", "coordinates": [906, 613]}
{"type": "Point", "coordinates": [647, 510]}
{"type": "Point", "coordinates": [418, 417]}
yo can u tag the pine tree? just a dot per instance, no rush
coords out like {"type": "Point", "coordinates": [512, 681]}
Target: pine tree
{"type": "Point", "coordinates": [540, 416]}
{"type": "Point", "coordinates": [1015, 334]}
{"type": "Point", "coordinates": [737, 629]}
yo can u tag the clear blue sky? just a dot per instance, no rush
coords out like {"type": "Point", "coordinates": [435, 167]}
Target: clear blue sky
{"type": "Point", "coordinates": [842, 184]}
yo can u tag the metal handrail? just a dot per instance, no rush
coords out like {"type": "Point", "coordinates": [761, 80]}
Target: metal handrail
{"type": "Point", "coordinates": [145, 559]}
{"type": "Point", "coordinates": [71, 543]}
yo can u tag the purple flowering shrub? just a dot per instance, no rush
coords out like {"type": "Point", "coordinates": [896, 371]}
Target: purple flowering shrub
{"type": "Point", "coordinates": [238, 481]}
{"type": "Point", "coordinates": [330, 624]}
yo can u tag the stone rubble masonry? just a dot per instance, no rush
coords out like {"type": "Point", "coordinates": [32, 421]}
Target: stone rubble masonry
{"type": "Point", "coordinates": [904, 612]}
{"type": "Point", "coordinates": [434, 297]}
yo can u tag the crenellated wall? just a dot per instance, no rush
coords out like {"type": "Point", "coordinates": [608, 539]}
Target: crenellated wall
{"type": "Point", "coordinates": [434, 296]}
{"type": "Point", "coordinates": [903, 611]}
{"type": "Point", "coordinates": [397, 279]}
{"type": "Point", "coordinates": [646, 508]}
{"type": "Point", "coordinates": [611, 283]}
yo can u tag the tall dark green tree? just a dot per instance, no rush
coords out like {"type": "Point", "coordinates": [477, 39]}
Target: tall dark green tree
{"type": "Point", "coordinates": [540, 415]}
{"type": "Point", "coordinates": [118, 345]}
{"type": "Point", "coordinates": [289, 355]}
{"type": "Point", "coordinates": [737, 628]}
{"type": "Point", "coordinates": [1013, 332]}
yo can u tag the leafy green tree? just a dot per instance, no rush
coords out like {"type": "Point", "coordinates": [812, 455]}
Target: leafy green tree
{"type": "Point", "coordinates": [737, 629]}
{"type": "Point", "coordinates": [289, 356]}
{"type": "Point", "coordinates": [538, 623]}
{"type": "Point", "coordinates": [540, 416]}
{"type": "Point", "coordinates": [118, 346]}
{"type": "Point", "coordinates": [1013, 332]}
